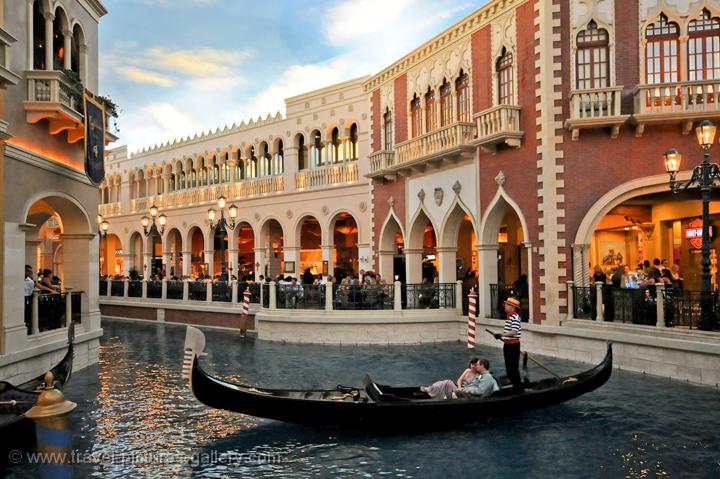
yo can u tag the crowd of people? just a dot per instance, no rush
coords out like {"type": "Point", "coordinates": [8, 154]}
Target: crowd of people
{"type": "Point", "coordinates": [45, 282]}
{"type": "Point", "coordinates": [645, 275]}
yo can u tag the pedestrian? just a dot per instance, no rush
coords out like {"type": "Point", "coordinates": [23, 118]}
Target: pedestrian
{"type": "Point", "coordinates": [29, 282]}
{"type": "Point", "coordinates": [511, 337]}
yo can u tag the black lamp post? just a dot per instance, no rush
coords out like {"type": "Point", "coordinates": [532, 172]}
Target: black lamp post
{"type": "Point", "coordinates": [222, 226]}
{"type": "Point", "coordinates": [153, 232]}
{"type": "Point", "coordinates": [704, 176]}
{"type": "Point", "coordinates": [103, 226]}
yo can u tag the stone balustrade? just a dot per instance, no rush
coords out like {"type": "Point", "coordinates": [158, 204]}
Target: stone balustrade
{"type": "Point", "coordinates": [331, 175]}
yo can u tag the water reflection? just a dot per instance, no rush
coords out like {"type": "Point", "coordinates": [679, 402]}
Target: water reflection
{"type": "Point", "coordinates": [137, 418]}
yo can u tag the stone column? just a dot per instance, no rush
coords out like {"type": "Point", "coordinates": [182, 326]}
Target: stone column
{"type": "Point", "coordinates": [448, 270]}
{"type": "Point", "coordinates": [67, 49]}
{"type": "Point", "coordinates": [581, 267]}
{"type": "Point", "coordinates": [82, 63]}
{"type": "Point", "coordinates": [14, 331]}
{"type": "Point", "coordinates": [386, 264]}
{"type": "Point", "coordinates": [290, 167]}
{"type": "Point", "coordinates": [397, 296]}
{"type": "Point", "coordinates": [49, 17]}
{"type": "Point", "coordinates": [31, 253]}
{"type": "Point", "coordinates": [328, 252]}
{"type": "Point", "coordinates": [487, 275]}
{"type": "Point", "coordinates": [232, 266]}
{"type": "Point", "coordinates": [328, 296]}
{"type": "Point", "coordinates": [599, 301]}
{"type": "Point", "coordinates": [413, 265]}
{"type": "Point", "coordinates": [272, 304]}
{"type": "Point", "coordinates": [30, 47]}
{"type": "Point", "coordinates": [365, 257]}
{"type": "Point", "coordinates": [147, 265]}
{"type": "Point", "coordinates": [292, 253]}
{"type": "Point", "coordinates": [81, 251]}
{"type": "Point", "coordinates": [570, 300]}
{"type": "Point", "coordinates": [166, 262]}
{"type": "Point", "coordinates": [209, 256]}
{"type": "Point", "coordinates": [259, 263]}
{"type": "Point", "coordinates": [660, 303]}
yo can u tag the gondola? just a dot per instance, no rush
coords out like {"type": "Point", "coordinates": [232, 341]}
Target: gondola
{"type": "Point", "coordinates": [378, 406]}
{"type": "Point", "coordinates": [17, 431]}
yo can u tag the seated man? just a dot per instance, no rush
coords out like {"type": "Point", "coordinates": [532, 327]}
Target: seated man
{"type": "Point", "coordinates": [443, 389]}
{"type": "Point", "coordinates": [482, 385]}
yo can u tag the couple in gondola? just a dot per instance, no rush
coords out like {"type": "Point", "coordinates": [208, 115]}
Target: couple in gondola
{"type": "Point", "coordinates": [476, 380]}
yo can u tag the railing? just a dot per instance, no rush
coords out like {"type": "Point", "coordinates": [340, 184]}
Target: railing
{"type": "Point", "coordinates": [47, 312]}
{"type": "Point", "coordinates": [51, 86]}
{"type": "Point", "coordinates": [497, 121]}
{"type": "Point", "coordinates": [110, 209]}
{"type": "Point", "coordinates": [259, 186]}
{"type": "Point", "coordinates": [381, 160]}
{"type": "Point", "coordinates": [102, 290]}
{"type": "Point", "coordinates": [682, 308]}
{"type": "Point", "coordinates": [221, 291]}
{"type": "Point", "coordinates": [681, 98]}
{"type": "Point", "coordinates": [584, 301]}
{"type": "Point", "coordinates": [327, 175]}
{"type": "Point", "coordinates": [154, 289]}
{"type": "Point", "coordinates": [498, 294]}
{"type": "Point", "coordinates": [428, 295]}
{"type": "Point", "coordinates": [117, 288]}
{"type": "Point", "coordinates": [135, 288]}
{"type": "Point", "coordinates": [595, 103]}
{"type": "Point", "coordinates": [301, 296]}
{"type": "Point", "coordinates": [254, 292]}
{"type": "Point", "coordinates": [435, 142]}
{"type": "Point", "coordinates": [175, 289]}
{"type": "Point", "coordinates": [197, 291]}
{"type": "Point", "coordinates": [363, 297]}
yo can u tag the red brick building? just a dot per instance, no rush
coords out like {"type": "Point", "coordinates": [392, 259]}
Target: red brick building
{"type": "Point", "coordinates": [528, 139]}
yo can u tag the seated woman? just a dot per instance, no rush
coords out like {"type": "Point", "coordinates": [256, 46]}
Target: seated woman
{"type": "Point", "coordinates": [483, 385]}
{"type": "Point", "coordinates": [446, 388]}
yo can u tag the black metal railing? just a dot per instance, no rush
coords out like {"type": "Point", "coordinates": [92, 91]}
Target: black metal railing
{"type": "Point", "coordinates": [429, 296]}
{"type": "Point", "coordinates": [682, 308]}
{"type": "Point", "coordinates": [154, 289]}
{"type": "Point", "coordinates": [363, 297]}
{"type": "Point", "coordinates": [221, 291]}
{"type": "Point", "coordinates": [175, 289]}
{"type": "Point", "coordinates": [51, 311]}
{"type": "Point", "coordinates": [135, 289]}
{"type": "Point", "coordinates": [254, 292]}
{"type": "Point", "coordinates": [584, 302]}
{"type": "Point", "coordinates": [76, 305]}
{"type": "Point", "coordinates": [265, 295]}
{"type": "Point", "coordinates": [498, 294]}
{"type": "Point", "coordinates": [117, 287]}
{"type": "Point", "coordinates": [197, 291]}
{"type": "Point", "coordinates": [28, 313]}
{"type": "Point", "coordinates": [301, 296]}
{"type": "Point", "coordinates": [102, 289]}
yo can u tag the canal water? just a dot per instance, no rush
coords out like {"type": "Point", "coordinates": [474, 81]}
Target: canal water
{"type": "Point", "coordinates": [137, 418]}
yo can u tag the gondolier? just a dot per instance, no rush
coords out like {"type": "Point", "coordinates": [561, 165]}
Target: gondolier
{"type": "Point", "coordinates": [511, 337]}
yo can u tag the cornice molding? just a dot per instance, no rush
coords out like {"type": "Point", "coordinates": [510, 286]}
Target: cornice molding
{"type": "Point", "coordinates": [95, 8]}
{"type": "Point", "coordinates": [468, 25]}
{"type": "Point", "coordinates": [19, 153]}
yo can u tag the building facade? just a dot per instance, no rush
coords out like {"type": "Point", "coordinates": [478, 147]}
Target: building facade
{"type": "Point", "coordinates": [49, 205]}
{"type": "Point", "coordinates": [298, 182]}
{"type": "Point", "coordinates": [528, 139]}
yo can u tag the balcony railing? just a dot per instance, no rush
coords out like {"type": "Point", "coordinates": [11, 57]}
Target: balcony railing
{"type": "Point", "coordinates": [381, 160]}
{"type": "Point", "coordinates": [682, 102]}
{"type": "Point", "coordinates": [596, 108]}
{"type": "Point", "coordinates": [498, 125]}
{"type": "Point", "coordinates": [110, 209]}
{"type": "Point", "coordinates": [332, 175]}
{"type": "Point", "coordinates": [49, 98]}
{"type": "Point", "coordinates": [449, 140]}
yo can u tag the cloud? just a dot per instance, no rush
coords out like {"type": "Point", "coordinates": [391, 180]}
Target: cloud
{"type": "Point", "coordinates": [353, 19]}
{"type": "Point", "coordinates": [203, 62]}
{"type": "Point", "coordinates": [145, 76]}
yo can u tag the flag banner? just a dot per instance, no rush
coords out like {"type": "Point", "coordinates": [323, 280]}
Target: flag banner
{"type": "Point", "coordinates": [94, 139]}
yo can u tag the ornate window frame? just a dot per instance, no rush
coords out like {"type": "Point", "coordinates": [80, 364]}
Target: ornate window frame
{"type": "Point", "coordinates": [602, 12]}
{"type": "Point", "coordinates": [504, 39]}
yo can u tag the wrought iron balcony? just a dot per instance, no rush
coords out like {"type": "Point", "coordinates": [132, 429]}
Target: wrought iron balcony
{"type": "Point", "coordinates": [596, 108]}
{"type": "Point", "coordinates": [680, 103]}
{"type": "Point", "coordinates": [498, 125]}
{"type": "Point", "coordinates": [331, 175]}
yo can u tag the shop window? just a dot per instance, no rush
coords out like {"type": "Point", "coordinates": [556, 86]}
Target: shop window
{"type": "Point", "coordinates": [592, 58]}
{"type": "Point", "coordinates": [661, 52]}
{"type": "Point", "coordinates": [704, 48]}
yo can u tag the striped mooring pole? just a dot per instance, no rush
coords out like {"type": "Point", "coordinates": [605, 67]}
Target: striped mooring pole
{"type": "Point", "coordinates": [472, 297]}
{"type": "Point", "coordinates": [245, 311]}
{"type": "Point", "coordinates": [51, 414]}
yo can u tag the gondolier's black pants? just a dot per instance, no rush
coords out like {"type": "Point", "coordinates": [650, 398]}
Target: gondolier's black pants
{"type": "Point", "coordinates": [512, 364]}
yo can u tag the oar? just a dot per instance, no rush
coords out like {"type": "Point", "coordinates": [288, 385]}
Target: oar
{"type": "Point", "coordinates": [532, 359]}
{"type": "Point", "coordinates": [15, 402]}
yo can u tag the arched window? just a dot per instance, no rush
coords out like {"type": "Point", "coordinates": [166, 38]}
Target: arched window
{"type": "Point", "coordinates": [316, 150]}
{"type": "Point", "coordinates": [278, 167]}
{"type": "Point", "coordinates": [335, 146]}
{"type": "Point", "coordinates": [504, 68]}
{"type": "Point", "coordinates": [58, 44]}
{"type": "Point", "coordinates": [704, 48]}
{"type": "Point", "coordinates": [661, 52]}
{"type": "Point", "coordinates": [446, 113]}
{"type": "Point", "coordinates": [388, 130]}
{"type": "Point", "coordinates": [416, 116]}
{"type": "Point", "coordinates": [462, 85]}
{"type": "Point", "coordinates": [353, 153]}
{"type": "Point", "coordinates": [252, 164]}
{"type": "Point", "coordinates": [38, 37]}
{"type": "Point", "coordinates": [430, 111]}
{"type": "Point", "coordinates": [182, 181]}
{"type": "Point", "coordinates": [215, 174]}
{"type": "Point", "coordinates": [302, 157]}
{"type": "Point", "coordinates": [267, 161]}
{"type": "Point", "coordinates": [239, 170]}
{"type": "Point", "coordinates": [592, 64]}
{"type": "Point", "coordinates": [75, 50]}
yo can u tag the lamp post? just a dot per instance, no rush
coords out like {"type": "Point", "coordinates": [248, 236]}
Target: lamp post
{"type": "Point", "coordinates": [222, 226]}
{"type": "Point", "coordinates": [153, 232]}
{"type": "Point", "coordinates": [704, 175]}
{"type": "Point", "coordinates": [103, 226]}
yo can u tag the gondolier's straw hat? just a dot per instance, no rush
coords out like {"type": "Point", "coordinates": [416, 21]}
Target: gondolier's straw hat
{"type": "Point", "coordinates": [513, 302]}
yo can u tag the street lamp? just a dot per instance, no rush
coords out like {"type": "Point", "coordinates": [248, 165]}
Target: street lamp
{"type": "Point", "coordinates": [153, 232]}
{"type": "Point", "coordinates": [222, 226]}
{"type": "Point", "coordinates": [704, 175]}
{"type": "Point", "coordinates": [103, 226]}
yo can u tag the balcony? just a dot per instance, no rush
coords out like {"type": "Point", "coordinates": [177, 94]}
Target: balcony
{"type": "Point", "coordinates": [110, 209]}
{"type": "Point", "coordinates": [7, 76]}
{"type": "Point", "coordinates": [497, 126]}
{"type": "Point", "coordinates": [680, 103]}
{"type": "Point", "coordinates": [595, 108]}
{"type": "Point", "coordinates": [49, 97]}
{"type": "Point", "coordinates": [381, 160]}
{"type": "Point", "coordinates": [333, 175]}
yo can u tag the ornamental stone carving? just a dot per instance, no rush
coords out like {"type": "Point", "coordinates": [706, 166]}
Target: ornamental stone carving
{"type": "Point", "coordinates": [387, 96]}
{"type": "Point", "coordinates": [680, 8]}
{"type": "Point", "coordinates": [457, 187]}
{"type": "Point", "coordinates": [391, 201]}
{"type": "Point", "coordinates": [421, 195]}
{"type": "Point", "coordinates": [439, 193]}
{"type": "Point", "coordinates": [257, 216]}
{"type": "Point", "coordinates": [362, 206]}
{"type": "Point", "coordinates": [504, 34]}
{"type": "Point", "coordinates": [500, 178]}
{"type": "Point", "coordinates": [289, 214]}
{"type": "Point", "coordinates": [444, 65]}
{"type": "Point", "coordinates": [582, 11]}
{"type": "Point", "coordinates": [325, 210]}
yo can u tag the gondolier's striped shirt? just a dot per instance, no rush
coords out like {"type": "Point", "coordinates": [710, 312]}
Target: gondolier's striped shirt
{"type": "Point", "coordinates": [513, 323]}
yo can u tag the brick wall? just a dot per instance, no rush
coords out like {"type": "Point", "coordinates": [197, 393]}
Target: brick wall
{"type": "Point", "coordinates": [376, 120]}
{"type": "Point", "coordinates": [402, 105]}
{"type": "Point", "coordinates": [482, 69]}
{"type": "Point", "coordinates": [381, 194]}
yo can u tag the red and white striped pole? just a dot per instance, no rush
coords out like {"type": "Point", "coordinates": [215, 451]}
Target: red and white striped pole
{"type": "Point", "coordinates": [472, 300]}
{"type": "Point", "coordinates": [245, 311]}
